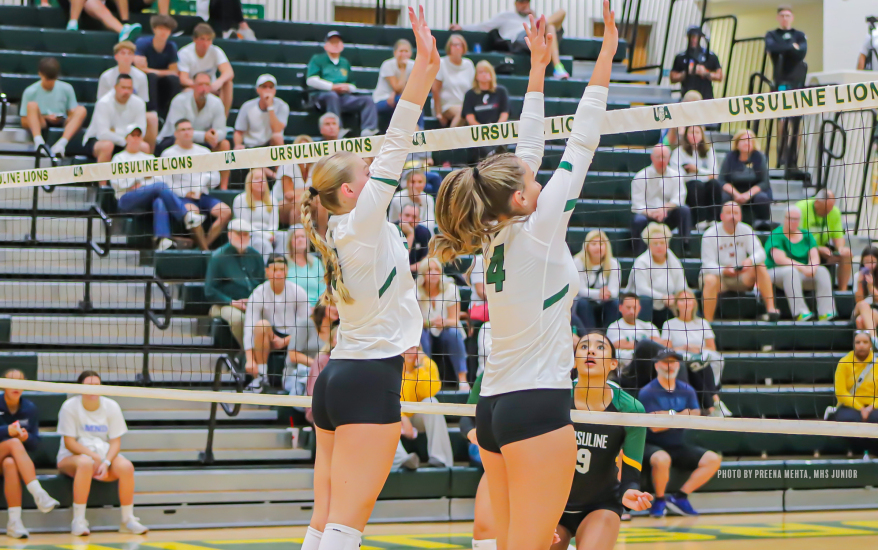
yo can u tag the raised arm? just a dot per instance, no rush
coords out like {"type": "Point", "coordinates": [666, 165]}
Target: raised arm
{"type": "Point", "coordinates": [531, 136]}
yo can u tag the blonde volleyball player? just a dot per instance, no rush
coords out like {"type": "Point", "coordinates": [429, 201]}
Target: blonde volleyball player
{"type": "Point", "coordinates": [523, 416]}
{"type": "Point", "coordinates": [356, 397]}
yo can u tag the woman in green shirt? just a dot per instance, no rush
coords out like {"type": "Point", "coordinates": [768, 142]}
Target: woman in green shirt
{"type": "Point", "coordinates": [793, 263]}
{"type": "Point", "coordinates": [305, 269]}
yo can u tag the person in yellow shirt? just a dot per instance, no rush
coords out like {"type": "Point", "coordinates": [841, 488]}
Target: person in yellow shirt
{"type": "Point", "coordinates": [421, 383]}
{"type": "Point", "coordinates": [856, 382]}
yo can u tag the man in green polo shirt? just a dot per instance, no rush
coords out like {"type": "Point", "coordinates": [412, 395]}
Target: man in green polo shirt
{"type": "Point", "coordinates": [329, 74]}
{"type": "Point", "coordinates": [822, 219]}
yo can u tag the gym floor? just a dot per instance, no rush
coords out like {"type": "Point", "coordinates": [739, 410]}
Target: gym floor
{"type": "Point", "coordinates": [799, 531]}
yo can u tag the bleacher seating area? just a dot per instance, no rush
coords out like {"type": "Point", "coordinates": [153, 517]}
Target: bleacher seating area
{"type": "Point", "coordinates": [782, 370]}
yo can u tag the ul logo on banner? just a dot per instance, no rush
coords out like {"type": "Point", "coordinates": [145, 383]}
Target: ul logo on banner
{"type": "Point", "coordinates": [419, 139]}
{"type": "Point", "coordinates": [230, 158]}
{"type": "Point", "coordinates": [77, 171]}
{"type": "Point", "coordinates": [661, 113]}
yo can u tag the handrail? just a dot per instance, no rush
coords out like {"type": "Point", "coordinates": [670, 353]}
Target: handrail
{"type": "Point", "coordinates": [231, 410]}
{"type": "Point", "coordinates": [837, 129]}
{"type": "Point", "coordinates": [870, 147]}
{"type": "Point", "coordinates": [41, 151]}
{"type": "Point", "coordinates": [626, 8]}
{"type": "Point", "coordinates": [4, 106]}
{"type": "Point", "coordinates": [169, 303]}
{"type": "Point", "coordinates": [751, 89]}
{"type": "Point", "coordinates": [90, 245]}
{"type": "Point", "coordinates": [108, 229]}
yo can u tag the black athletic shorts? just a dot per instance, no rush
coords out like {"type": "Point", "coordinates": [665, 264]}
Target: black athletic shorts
{"type": "Point", "coordinates": [90, 147]}
{"type": "Point", "coordinates": [519, 415]}
{"type": "Point", "coordinates": [571, 519]}
{"type": "Point", "coordinates": [685, 457]}
{"type": "Point", "coordinates": [357, 391]}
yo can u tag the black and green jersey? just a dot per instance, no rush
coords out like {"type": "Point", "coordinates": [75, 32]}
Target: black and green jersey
{"type": "Point", "coordinates": [597, 477]}
{"type": "Point", "coordinates": [337, 73]}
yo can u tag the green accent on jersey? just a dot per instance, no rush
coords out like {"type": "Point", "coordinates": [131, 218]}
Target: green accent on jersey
{"type": "Point", "coordinates": [386, 284]}
{"type": "Point", "coordinates": [635, 436]}
{"type": "Point", "coordinates": [570, 205]}
{"type": "Point", "coordinates": [390, 182]}
{"type": "Point", "coordinates": [474, 392]}
{"type": "Point", "coordinates": [564, 165]}
{"type": "Point", "coordinates": [555, 298]}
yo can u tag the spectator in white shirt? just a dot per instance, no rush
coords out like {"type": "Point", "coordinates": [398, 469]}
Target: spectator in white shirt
{"type": "Point", "coordinates": [733, 259]}
{"type": "Point", "coordinates": [202, 56]}
{"type": "Point", "coordinates": [256, 205]}
{"type": "Point", "coordinates": [276, 319]}
{"type": "Point", "coordinates": [627, 332]}
{"type": "Point", "coordinates": [140, 195]}
{"type": "Point", "coordinates": [92, 427]}
{"type": "Point", "coordinates": [392, 76]}
{"type": "Point", "coordinates": [657, 275]}
{"type": "Point", "coordinates": [194, 189]}
{"type": "Point", "coordinates": [113, 114]}
{"type": "Point", "coordinates": [600, 278]}
{"type": "Point", "coordinates": [507, 34]}
{"type": "Point", "coordinates": [455, 78]}
{"type": "Point", "coordinates": [868, 58]}
{"type": "Point", "coordinates": [123, 53]}
{"type": "Point", "coordinates": [439, 299]}
{"type": "Point", "coordinates": [292, 181]}
{"type": "Point", "coordinates": [413, 193]}
{"type": "Point", "coordinates": [659, 195]}
{"type": "Point", "coordinates": [261, 120]}
{"type": "Point", "coordinates": [695, 161]}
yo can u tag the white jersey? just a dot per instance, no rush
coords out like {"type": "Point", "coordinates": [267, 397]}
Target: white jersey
{"type": "Point", "coordinates": [384, 319]}
{"type": "Point", "coordinates": [530, 278]}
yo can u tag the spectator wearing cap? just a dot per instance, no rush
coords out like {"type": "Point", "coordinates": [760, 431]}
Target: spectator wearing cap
{"type": "Point", "coordinates": [123, 53]}
{"type": "Point", "coordinates": [666, 447]}
{"type": "Point", "coordinates": [139, 195]}
{"type": "Point", "coordinates": [157, 57]}
{"type": "Point", "coordinates": [822, 219]}
{"type": "Point", "coordinates": [194, 189]}
{"type": "Point", "coordinates": [697, 68]}
{"type": "Point", "coordinates": [454, 79]}
{"type": "Point", "coordinates": [96, 9]}
{"type": "Point", "coordinates": [261, 120]}
{"type": "Point", "coordinates": [233, 273]}
{"type": "Point", "coordinates": [329, 73]}
{"type": "Point", "coordinates": [392, 76]}
{"type": "Point", "coordinates": [202, 56]}
{"type": "Point", "coordinates": [413, 192]}
{"type": "Point", "coordinates": [113, 114]}
{"type": "Point", "coordinates": [207, 115]}
{"type": "Point", "coordinates": [51, 103]}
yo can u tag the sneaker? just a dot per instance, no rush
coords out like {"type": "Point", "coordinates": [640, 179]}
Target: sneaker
{"type": "Point", "coordinates": [73, 25]}
{"type": "Point", "coordinates": [463, 386]}
{"type": "Point", "coordinates": [45, 503]}
{"type": "Point", "coordinates": [805, 316]}
{"type": "Point", "coordinates": [193, 219]}
{"type": "Point", "coordinates": [369, 132]}
{"type": "Point", "coordinates": [560, 72]}
{"type": "Point", "coordinates": [680, 506]}
{"type": "Point", "coordinates": [255, 386]}
{"type": "Point", "coordinates": [412, 462]}
{"type": "Point", "coordinates": [247, 34]}
{"type": "Point", "coordinates": [15, 529]}
{"type": "Point", "coordinates": [133, 526]}
{"type": "Point", "coordinates": [130, 32]}
{"type": "Point", "coordinates": [164, 244]}
{"type": "Point", "coordinates": [724, 408]}
{"type": "Point", "coordinates": [79, 528]}
{"type": "Point", "coordinates": [828, 316]}
{"type": "Point", "coordinates": [626, 516]}
{"type": "Point", "coordinates": [58, 149]}
{"type": "Point", "coordinates": [703, 226]}
{"type": "Point", "coordinates": [229, 33]}
{"type": "Point", "coordinates": [658, 508]}
{"type": "Point", "coordinates": [435, 463]}
{"type": "Point", "coordinates": [474, 457]}
{"type": "Point", "coordinates": [770, 317]}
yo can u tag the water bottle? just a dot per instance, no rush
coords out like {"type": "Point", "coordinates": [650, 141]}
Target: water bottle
{"type": "Point", "coordinates": [477, 48]}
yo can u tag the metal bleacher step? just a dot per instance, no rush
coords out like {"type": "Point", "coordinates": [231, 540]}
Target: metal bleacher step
{"type": "Point", "coordinates": [103, 330]}
{"type": "Point", "coordinates": [139, 409]}
{"type": "Point", "coordinates": [62, 197]}
{"type": "Point", "coordinates": [173, 445]}
{"type": "Point", "coordinates": [223, 485]}
{"type": "Point", "coordinates": [24, 295]}
{"type": "Point", "coordinates": [164, 368]}
{"type": "Point", "coordinates": [64, 261]}
{"type": "Point", "coordinates": [54, 230]}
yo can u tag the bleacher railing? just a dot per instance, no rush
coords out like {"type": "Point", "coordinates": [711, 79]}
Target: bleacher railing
{"type": "Point", "coordinates": [222, 363]}
{"type": "Point", "coordinates": [668, 21]}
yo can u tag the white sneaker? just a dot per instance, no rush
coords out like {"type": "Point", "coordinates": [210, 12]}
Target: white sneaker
{"type": "Point", "coordinates": [255, 386]}
{"type": "Point", "coordinates": [725, 409]}
{"type": "Point", "coordinates": [58, 149]}
{"type": "Point", "coordinates": [193, 219]}
{"type": "Point", "coordinates": [246, 34]}
{"type": "Point", "coordinates": [79, 528]}
{"type": "Point", "coordinates": [164, 244]}
{"type": "Point", "coordinates": [45, 503]}
{"type": "Point", "coordinates": [228, 33]}
{"type": "Point", "coordinates": [15, 529]}
{"type": "Point", "coordinates": [463, 386]}
{"type": "Point", "coordinates": [133, 526]}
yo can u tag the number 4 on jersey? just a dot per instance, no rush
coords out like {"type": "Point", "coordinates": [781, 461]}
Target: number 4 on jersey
{"type": "Point", "coordinates": [496, 273]}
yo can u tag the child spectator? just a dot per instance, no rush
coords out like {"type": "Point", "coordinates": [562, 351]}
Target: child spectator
{"type": "Point", "coordinates": [600, 278]}
{"type": "Point", "coordinates": [157, 57]}
{"type": "Point", "coordinates": [257, 207]}
{"type": "Point", "coordinates": [305, 268]}
{"type": "Point", "coordinates": [455, 77]}
{"type": "Point", "coordinates": [439, 299]}
{"type": "Point", "coordinates": [413, 193]}
{"type": "Point", "coordinates": [51, 103]}
{"type": "Point", "coordinates": [201, 56]}
{"type": "Point", "coordinates": [261, 120]}
{"type": "Point", "coordinates": [92, 427]}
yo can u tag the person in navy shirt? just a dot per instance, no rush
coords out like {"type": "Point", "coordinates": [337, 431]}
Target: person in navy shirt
{"type": "Point", "coordinates": [19, 433]}
{"type": "Point", "coordinates": [156, 55]}
{"type": "Point", "coordinates": [667, 446]}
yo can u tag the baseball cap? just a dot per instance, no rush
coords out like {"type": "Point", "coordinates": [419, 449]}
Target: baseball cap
{"type": "Point", "coordinates": [694, 29]}
{"type": "Point", "coordinates": [332, 34]}
{"type": "Point", "coordinates": [263, 78]}
{"type": "Point", "coordinates": [131, 127]}
{"type": "Point", "coordinates": [668, 353]}
{"type": "Point", "coordinates": [239, 226]}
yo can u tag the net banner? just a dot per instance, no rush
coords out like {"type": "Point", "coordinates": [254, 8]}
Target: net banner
{"type": "Point", "coordinates": [772, 105]}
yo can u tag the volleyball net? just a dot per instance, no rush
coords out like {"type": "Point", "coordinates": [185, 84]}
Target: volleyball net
{"type": "Point", "coordinates": [91, 286]}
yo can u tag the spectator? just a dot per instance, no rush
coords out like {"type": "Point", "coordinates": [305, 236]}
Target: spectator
{"type": "Point", "coordinates": [276, 319]}
{"type": "Point", "coordinates": [194, 189]}
{"type": "Point", "coordinates": [627, 332]}
{"type": "Point", "coordinates": [205, 113]}
{"type": "Point", "coordinates": [261, 120]}
{"type": "Point", "coordinates": [485, 102]}
{"type": "Point", "coordinates": [672, 137]}
{"type": "Point", "coordinates": [330, 127]}
{"type": "Point", "coordinates": [420, 384]}
{"type": "Point", "coordinates": [733, 259]}
{"type": "Point", "coordinates": [99, 11]}
{"type": "Point", "coordinates": [413, 193]}
{"type": "Point", "coordinates": [695, 161]}
{"type": "Point", "coordinates": [744, 178]}
{"type": "Point", "coordinates": [665, 447]}
{"type": "Point", "coordinates": [793, 261]}
{"type": "Point", "coordinates": [697, 68]}
{"type": "Point", "coordinates": [92, 427]}
{"type": "Point", "coordinates": [868, 58]}
{"type": "Point", "coordinates": [417, 235]}
{"type": "Point", "coordinates": [157, 57]}
{"type": "Point", "coordinates": [20, 433]}
{"type": "Point", "coordinates": [324, 319]}
{"type": "Point", "coordinates": [864, 280]}
{"type": "Point", "coordinates": [140, 195]}
{"type": "Point", "coordinates": [257, 207]}
{"type": "Point", "coordinates": [113, 114]}
{"type": "Point", "coordinates": [123, 52]}
{"type": "Point", "coordinates": [233, 273]}
{"type": "Point", "coordinates": [201, 56]}
{"type": "Point", "coordinates": [455, 77]}
{"type": "Point", "coordinates": [659, 195]}
{"type": "Point", "coordinates": [439, 299]}
{"type": "Point", "coordinates": [506, 34]}
{"type": "Point", "coordinates": [693, 337]}
{"type": "Point", "coordinates": [657, 275]}
{"type": "Point", "coordinates": [787, 48]}
{"type": "Point", "coordinates": [600, 278]}
{"type": "Point", "coordinates": [227, 16]}
{"type": "Point", "coordinates": [478, 305]}
{"type": "Point", "coordinates": [392, 76]}
{"type": "Point", "coordinates": [305, 269]}
{"type": "Point", "coordinates": [329, 74]}
{"type": "Point", "coordinates": [293, 180]}
{"type": "Point", "coordinates": [822, 219]}
{"type": "Point", "coordinates": [51, 103]}
{"type": "Point", "coordinates": [856, 382]}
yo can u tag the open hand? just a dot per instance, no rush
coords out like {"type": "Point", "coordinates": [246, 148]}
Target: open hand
{"type": "Point", "coordinates": [425, 42]}
{"type": "Point", "coordinates": [611, 33]}
{"type": "Point", "coordinates": [539, 43]}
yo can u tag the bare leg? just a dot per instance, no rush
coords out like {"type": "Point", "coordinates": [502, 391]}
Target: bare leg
{"type": "Point", "coordinates": [276, 139]}
{"type": "Point", "coordinates": [222, 216]}
{"type": "Point", "coordinates": [483, 527]}
{"type": "Point", "coordinates": [152, 130]}
{"type": "Point", "coordinates": [766, 289]}
{"type": "Point", "coordinates": [262, 334]}
{"type": "Point", "coordinates": [164, 7]}
{"type": "Point", "coordinates": [225, 94]}
{"type": "Point", "coordinates": [453, 114]}
{"type": "Point", "coordinates": [844, 271]}
{"type": "Point", "coordinates": [556, 52]}
{"type": "Point", "coordinates": [322, 476]}
{"type": "Point", "coordinates": [74, 122]}
{"type": "Point", "coordinates": [498, 488]}
{"type": "Point", "coordinates": [709, 295]}
{"type": "Point", "coordinates": [11, 483]}
{"type": "Point", "coordinates": [122, 470]}
{"type": "Point", "coordinates": [557, 19]}
{"type": "Point", "coordinates": [565, 536]}
{"type": "Point", "coordinates": [661, 472]}
{"type": "Point", "coordinates": [15, 448]}
{"type": "Point", "coordinates": [81, 468]}
{"type": "Point", "coordinates": [34, 120]}
{"type": "Point", "coordinates": [122, 6]}
{"type": "Point", "coordinates": [598, 531]}
{"type": "Point", "coordinates": [76, 9]}
{"type": "Point", "coordinates": [97, 10]}
{"type": "Point", "coordinates": [224, 174]}
{"type": "Point", "coordinates": [707, 466]}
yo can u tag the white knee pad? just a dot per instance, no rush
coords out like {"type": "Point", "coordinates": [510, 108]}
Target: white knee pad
{"type": "Point", "coordinates": [340, 537]}
{"type": "Point", "coordinates": [486, 544]}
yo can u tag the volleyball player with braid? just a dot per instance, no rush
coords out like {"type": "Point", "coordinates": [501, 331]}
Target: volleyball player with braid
{"type": "Point", "coordinates": [523, 422]}
{"type": "Point", "coordinates": [356, 397]}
